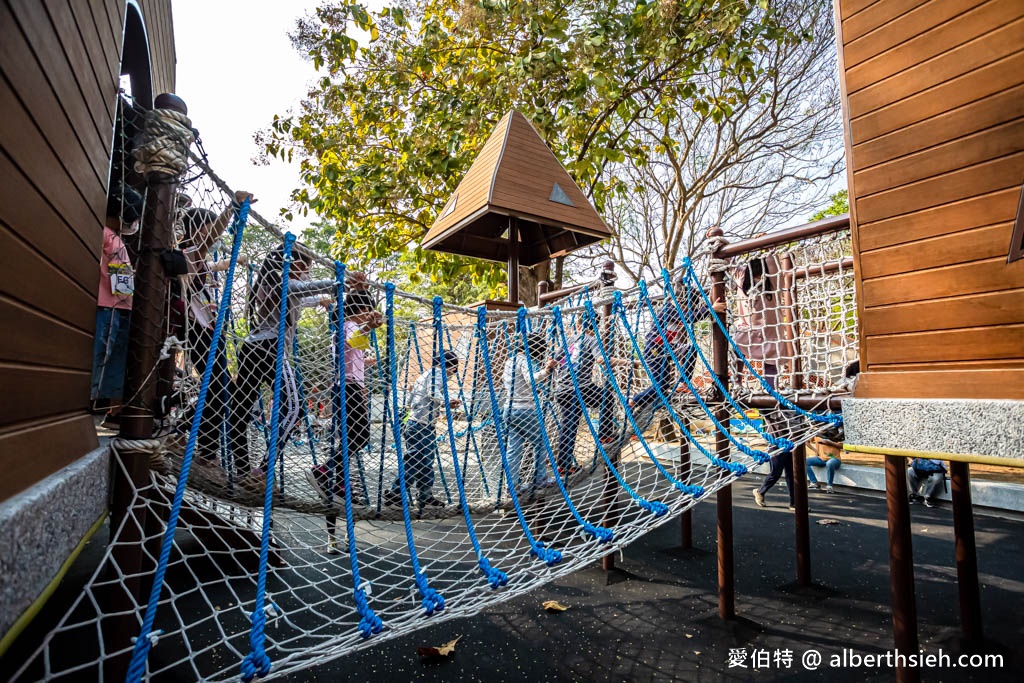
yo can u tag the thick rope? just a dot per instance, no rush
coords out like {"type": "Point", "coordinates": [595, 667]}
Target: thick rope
{"type": "Point", "coordinates": [166, 138]}
{"type": "Point", "coordinates": [137, 666]}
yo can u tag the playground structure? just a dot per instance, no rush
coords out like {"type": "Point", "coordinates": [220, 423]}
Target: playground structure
{"type": "Point", "coordinates": [227, 523]}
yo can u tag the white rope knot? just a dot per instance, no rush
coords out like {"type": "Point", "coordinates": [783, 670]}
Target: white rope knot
{"type": "Point", "coordinates": [121, 445]}
{"type": "Point", "coordinates": [165, 142]}
{"type": "Point", "coordinates": [171, 342]}
{"type": "Point", "coordinates": [153, 637]}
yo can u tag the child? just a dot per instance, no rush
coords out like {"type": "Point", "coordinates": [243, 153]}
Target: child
{"type": "Point", "coordinates": [257, 353]}
{"type": "Point", "coordinates": [924, 476]}
{"type": "Point", "coordinates": [114, 301]}
{"type": "Point", "coordinates": [418, 437]}
{"type": "Point", "coordinates": [521, 419]}
{"type": "Point", "coordinates": [360, 315]}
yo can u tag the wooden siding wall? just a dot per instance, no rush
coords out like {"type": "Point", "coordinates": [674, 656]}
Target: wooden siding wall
{"type": "Point", "coordinates": [933, 96]}
{"type": "Point", "coordinates": [59, 69]}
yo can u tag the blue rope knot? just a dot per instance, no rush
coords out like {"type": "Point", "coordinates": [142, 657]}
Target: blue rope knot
{"type": "Point", "coordinates": [616, 301]}
{"type": "Point", "coordinates": [389, 287]}
{"type": "Point", "coordinates": [481, 318]}
{"type": "Point", "coordinates": [695, 491]}
{"type": "Point", "coordinates": [786, 444]}
{"type": "Point", "coordinates": [643, 288]}
{"type": "Point", "coordinates": [602, 534]}
{"type": "Point", "coordinates": [339, 271]}
{"type": "Point", "coordinates": [521, 319]}
{"type": "Point", "coordinates": [656, 507]}
{"type": "Point", "coordinates": [548, 556]}
{"type": "Point", "coordinates": [256, 663]}
{"type": "Point", "coordinates": [495, 576]}
{"type": "Point", "coordinates": [736, 468]}
{"type": "Point", "coordinates": [432, 601]}
{"type": "Point", "coordinates": [370, 624]}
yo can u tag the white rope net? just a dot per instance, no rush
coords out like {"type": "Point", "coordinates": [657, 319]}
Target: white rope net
{"type": "Point", "coordinates": [603, 415]}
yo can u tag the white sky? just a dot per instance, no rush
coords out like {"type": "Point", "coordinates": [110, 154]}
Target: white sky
{"type": "Point", "coordinates": [236, 69]}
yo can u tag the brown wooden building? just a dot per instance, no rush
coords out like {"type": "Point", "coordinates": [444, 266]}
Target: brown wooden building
{"type": "Point", "coordinates": [933, 95]}
{"type": "Point", "coordinates": [61, 64]}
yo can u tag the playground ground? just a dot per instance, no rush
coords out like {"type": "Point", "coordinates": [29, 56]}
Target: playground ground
{"type": "Point", "coordinates": [656, 618]}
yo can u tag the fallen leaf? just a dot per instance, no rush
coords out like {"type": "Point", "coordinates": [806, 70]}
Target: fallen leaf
{"type": "Point", "coordinates": [442, 651]}
{"type": "Point", "coordinates": [554, 606]}
{"type": "Point", "coordinates": [827, 522]}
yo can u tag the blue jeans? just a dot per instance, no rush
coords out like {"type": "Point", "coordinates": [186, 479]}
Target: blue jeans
{"type": "Point", "coordinates": [830, 465]}
{"type": "Point", "coordinates": [419, 450]}
{"type": "Point", "coordinates": [523, 427]}
{"type": "Point", "coordinates": [110, 353]}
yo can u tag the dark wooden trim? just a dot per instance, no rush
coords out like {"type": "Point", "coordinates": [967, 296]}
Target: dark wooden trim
{"type": "Point", "coordinates": [1017, 238]}
{"type": "Point", "coordinates": [795, 234]}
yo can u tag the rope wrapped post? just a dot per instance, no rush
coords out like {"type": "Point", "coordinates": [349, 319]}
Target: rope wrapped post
{"type": "Point", "coordinates": [146, 337]}
{"type": "Point", "coordinates": [802, 523]}
{"type": "Point", "coordinates": [720, 360]}
{"type": "Point", "coordinates": [607, 278]}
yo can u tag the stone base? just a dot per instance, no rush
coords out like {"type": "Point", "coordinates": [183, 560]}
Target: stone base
{"type": "Point", "coordinates": [955, 426]}
{"type": "Point", "coordinates": [40, 527]}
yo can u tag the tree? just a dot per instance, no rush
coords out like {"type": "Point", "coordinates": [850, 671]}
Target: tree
{"type": "Point", "coordinates": [840, 204]}
{"type": "Point", "coordinates": [765, 162]}
{"type": "Point", "coordinates": [396, 119]}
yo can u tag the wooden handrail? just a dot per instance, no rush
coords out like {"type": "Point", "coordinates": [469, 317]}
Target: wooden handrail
{"type": "Point", "coordinates": [606, 277]}
{"type": "Point", "coordinates": [796, 233]}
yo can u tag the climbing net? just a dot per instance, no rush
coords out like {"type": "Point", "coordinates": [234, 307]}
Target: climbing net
{"type": "Point", "coordinates": [349, 462]}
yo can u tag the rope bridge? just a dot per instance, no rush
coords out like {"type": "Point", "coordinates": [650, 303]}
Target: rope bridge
{"type": "Point", "coordinates": [332, 482]}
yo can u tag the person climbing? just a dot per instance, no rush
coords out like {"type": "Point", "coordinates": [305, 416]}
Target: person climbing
{"type": "Point", "coordinates": [257, 353]}
{"type": "Point", "coordinates": [757, 328]}
{"type": "Point", "coordinates": [114, 301]}
{"type": "Point", "coordinates": [199, 294]}
{"type": "Point", "coordinates": [522, 420]}
{"type": "Point", "coordinates": [419, 440]}
{"type": "Point", "coordinates": [673, 335]}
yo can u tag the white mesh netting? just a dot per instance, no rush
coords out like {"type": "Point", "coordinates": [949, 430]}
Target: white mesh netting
{"type": "Point", "coordinates": [603, 413]}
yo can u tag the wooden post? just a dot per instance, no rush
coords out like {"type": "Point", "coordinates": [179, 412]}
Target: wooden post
{"type": "Point", "coordinates": [513, 260]}
{"type": "Point", "coordinates": [901, 566]}
{"type": "Point", "coordinates": [801, 522]}
{"type": "Point", "coordinates": [543, 287]}
{"type": "Point", "coordinates": [966, 553]}
{"type": "Point", "coordinates": [686, 518]}
{"type": "Point", "coordinates": [131, 467]}
{"type": "Point", "coordinates": [720, 354]}
{"type": "Point", "coordinates": [610, 485]}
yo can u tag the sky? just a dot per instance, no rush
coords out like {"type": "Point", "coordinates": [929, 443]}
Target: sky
{"type": "Point", "coordinates": [236, 69]}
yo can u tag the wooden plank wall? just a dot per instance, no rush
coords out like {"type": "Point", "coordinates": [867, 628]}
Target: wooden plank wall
{"type": "Point", "coordinates": [933, 97]}
{"type": "Point", "coordinates": [59, 68]}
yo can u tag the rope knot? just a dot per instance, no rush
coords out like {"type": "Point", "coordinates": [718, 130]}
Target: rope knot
{"type": "Point", "coordinates": [549, 556]}
{"type": "Point", "coordinates": [642, 285]}
{"type": "Point", "coordinates": [256, 663]}
{"type": "Point", "coordinates": [370, 624]}
{"type": "Point", "coordinates": [495, 577]}
{"type": "Point", "coordinates": [432, 601]}
{"type": "Point", "coordinates": [437, 301]}
{"type": "Point", "coordinates": [389, 287]}
{"type": "Point", "coordinates": [339, 272]}
{"type": "Point", "coordinates": [602, 534]}
{"type": "Point", "coordinates": [481, 318]}
{"type": "Point", "coordinates": [656, 507]}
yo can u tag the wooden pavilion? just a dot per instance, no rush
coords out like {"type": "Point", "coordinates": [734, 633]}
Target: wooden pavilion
{"type": "Point", "coordinates": [516, 205]}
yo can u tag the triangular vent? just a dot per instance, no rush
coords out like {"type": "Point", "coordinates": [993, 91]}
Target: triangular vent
{"type": "Point", "coordinates": [559, 195]}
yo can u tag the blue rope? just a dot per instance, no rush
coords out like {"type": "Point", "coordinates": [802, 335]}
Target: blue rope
{"type": "Point", "coordinates": [696, 491]}
{"type": "Point", "coordinates": [757, 455]}
{"type": "Point", "coordinates": [602, 534]}
{"type": "Point", "coordinates": [784, 444]}
{"type": "Point", "coordinates": [257, 663]}
{"type": "Point", "coordinates": [831, 418]}
{"type": "Point", "coordinates": [369, 622]}
{"type": "Point", "coordinates": [549, 556]}
{"type": "Point", "coordinates": [137, 666]}
{"type": "Point", "coordinates": [471, 430]}
{"type": "Point", "coordinates": [495, 577]}
{"type": "Point", "coordinates": [656, 507]}
{"type": "Point", "coordinates": [432, 600]}
{"type": "Point", "coordinates": [619, 309]}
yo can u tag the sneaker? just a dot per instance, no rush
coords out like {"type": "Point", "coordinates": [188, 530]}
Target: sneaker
{"type": "Point", "coordinates": [829, 489]}
{"type": "Point", "coordinates": [792, 506]}
{"type": "Point", "coordinates": [930, 503]}
{"type": "Point", "coordinates": [759, 498]}
{"type": "Point", "coordinates": [391, 498]}
{"type": "Point", "coordinates": [913, 498]}
{"type": "Point", "coordinates": [430, 501]}
{"type": "Point", "coordinates": [814, 485]}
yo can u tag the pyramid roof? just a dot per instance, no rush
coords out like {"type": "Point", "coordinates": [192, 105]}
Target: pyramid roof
{"type": "Point", "coordinates": [516, 176]}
